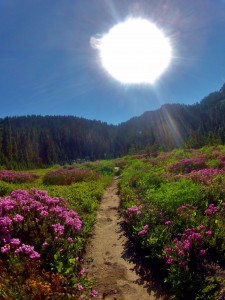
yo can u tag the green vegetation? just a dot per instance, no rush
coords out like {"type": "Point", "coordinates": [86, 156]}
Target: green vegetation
{"type": "Point", "coordinates": [44, 227]}
{"type": "Point", "coordinates": [174, 209]}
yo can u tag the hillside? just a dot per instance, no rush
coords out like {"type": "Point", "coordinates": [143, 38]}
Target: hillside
{"type": "Point", "coordinates": [175, 125]}
{"type": "Point", "coordinates": [31, 141]}
{"type": "Point", "coordinates": [36, 140]}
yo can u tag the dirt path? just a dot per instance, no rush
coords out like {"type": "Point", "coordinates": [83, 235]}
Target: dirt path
{"type": "Point", "coordinates": [115, 275]}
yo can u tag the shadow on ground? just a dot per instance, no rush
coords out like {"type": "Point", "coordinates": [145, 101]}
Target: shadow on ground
{"type": "Point", "coordinates": [150, 273]}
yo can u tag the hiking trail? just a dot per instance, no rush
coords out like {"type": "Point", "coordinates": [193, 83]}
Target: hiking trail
{"type": "Point", "coordinates": [106, 258]}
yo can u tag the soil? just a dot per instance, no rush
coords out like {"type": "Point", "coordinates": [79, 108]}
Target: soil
{"type": "Point", "coordinates": [109, 258]}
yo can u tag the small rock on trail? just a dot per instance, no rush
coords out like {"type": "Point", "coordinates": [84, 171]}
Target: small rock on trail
{"type": "Point", "coordinates": [115, 276]}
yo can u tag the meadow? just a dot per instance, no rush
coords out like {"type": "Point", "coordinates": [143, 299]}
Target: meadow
{"type": "Point", "coordinates": [46, 219]}
{"type": "Point", "coordinates": [174, 209]}
{"type": "Point", "coordinates": [173, 205]}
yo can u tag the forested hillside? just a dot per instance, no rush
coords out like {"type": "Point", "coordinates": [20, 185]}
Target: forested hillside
{"type": "Point", "coordinates": [35, 140]}
{"type": "Point", "coordinates": [175, 125]}
{"type": "Point", "coordinates": [31, 141]}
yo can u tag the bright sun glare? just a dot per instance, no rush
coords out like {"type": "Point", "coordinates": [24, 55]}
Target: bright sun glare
{"type": "Point", "coordinates": [135, 51]}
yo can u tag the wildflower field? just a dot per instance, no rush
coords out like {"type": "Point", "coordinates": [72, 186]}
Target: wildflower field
{"type": "Point", "coordinates": [174, 209]}
{"type": "Point", "coordinates": [46, 218]}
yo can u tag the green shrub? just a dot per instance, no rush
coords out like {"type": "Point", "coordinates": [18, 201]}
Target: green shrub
{"type": "Point", "coordinates": [174, 209]}
{"type": "Point", "coordinates": [67, 177]}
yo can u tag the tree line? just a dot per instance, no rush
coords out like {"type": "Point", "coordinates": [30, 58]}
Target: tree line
{"type": "Point", "coordinates": [36, 141]}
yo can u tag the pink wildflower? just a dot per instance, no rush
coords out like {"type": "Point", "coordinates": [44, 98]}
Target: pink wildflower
{"type": "Point", "coordinates": [181, 253]}
{"type": "Point", "coordinates": [142, 232]}
{"type": "Point", "coordinates": [45, 244]}
{"type": "Point", "coordinates": [134, 209]}
{"type": "Point", "coordinates": [211, 210]}
{"type": "Point", "coordinates": [18, 218]}
{"type": "Point", "coordinates": [5, 248]}
{"type": "Point", "coordinates": [35, 255]}
{"type": "Point", "coordinates": [58, 228]}
{"type": "Point", "coordinates": [168, 223]}
{"type": "Point", "coordinates": [43, 213]}
{"type": "Point", "coordinates": [82, 271]}
{"type": "Point", "coordinates": [186, 244]}
{"type": "Point", "coordinates": [5, 221]}
{"type": "Point", "coordinates": [208, 232]}
{"type": "Point", "coordinates": [201, 227]}
{"type": "Point", "coordinates": [15, 242]}
{"type": "Point", "coordinates": [182, 263]}
{"type": "Point", "coordinates": [169, 261]}
{"type": "Point", "coordinates": [80, 287]}
{"type": "Point", "coordinates": [202, 252]}
{"type": "Point", "coordinates": [168, 249]}
{"type": "Point", "coordinates": [94, 293]}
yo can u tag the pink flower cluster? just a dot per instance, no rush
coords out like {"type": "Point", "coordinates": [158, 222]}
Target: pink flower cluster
{"type": "Point", "coordinates": [204, 176]}
{"type": "Point", "coordinates": [168, 223]}
{"type": "Point", "coordinates": [144, 230]}
{"type": "Point", "coordinates": [185, 210]}
{"type": "Point", "coordinates": [82, 271]}
{"type": "Point", "coordinates": [187, 165]}
{"type": "Point", "coordinates": [23, 209]}
{"type": "Point", "coordinates": [134, 210]}
{"type": "Point", "coordinates": [191, 240]}
{"type": "Point", "coordinates": [80, 287]}
{"type": "Point", "coordinates": [94, 294]}
{"type": "Point", "coordinates": [67, 177]}
{"type": "Point", "coordinates": [28, 250]}
{"type": "Point", "coordinates": [222, 160]}
{"type": "Point", "coordinates": [17, 177]}
{"type": "Point", "coordinates": [58, 229]}
{"type": "Point", "coordinates": [211, 210]}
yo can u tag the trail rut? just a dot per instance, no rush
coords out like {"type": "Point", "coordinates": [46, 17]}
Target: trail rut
{"type": "Point", "coordinates": [115, 276]}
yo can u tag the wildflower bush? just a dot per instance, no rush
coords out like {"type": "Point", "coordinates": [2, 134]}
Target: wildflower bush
{"type": "Point", "coordinates": [174, 209]}
{"type": "Point", "coordinates": [187, 165]}
{"type": "Point", "coordinates": [67, 176]}
{"type": "Point", "coordinates": [17, 177]}
{"type": "Point", "coordinates": [43, 232]}
{"type": "Point", "coordinates": [41, 235]}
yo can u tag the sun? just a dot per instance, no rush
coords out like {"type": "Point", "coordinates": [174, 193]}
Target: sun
{"type": "Point", "coordinates": [135, 51]}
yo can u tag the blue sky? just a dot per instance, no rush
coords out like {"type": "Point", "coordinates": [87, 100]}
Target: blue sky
{"type": "Point", "coordinates": [48, 67]}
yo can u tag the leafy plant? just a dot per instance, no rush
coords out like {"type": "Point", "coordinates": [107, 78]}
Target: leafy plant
{"type": "Point", "coordinates": [43, 238]}
{"type": "Point", "coordinates": [174, 211]}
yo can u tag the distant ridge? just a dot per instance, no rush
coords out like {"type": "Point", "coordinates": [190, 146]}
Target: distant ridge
{"type": "Point", "coordinates": [32, 141]}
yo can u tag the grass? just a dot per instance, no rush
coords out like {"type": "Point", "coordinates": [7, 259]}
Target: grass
{"type": "Point", "coordinates": [41, 255]}
{"type": "Point", "coordinates": [174, 210]}
{"type": "Point", "coordinates": [174, 207]}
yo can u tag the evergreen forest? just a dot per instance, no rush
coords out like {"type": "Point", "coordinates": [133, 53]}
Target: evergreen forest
{"type": "Point", "coordinates": [37, 141]}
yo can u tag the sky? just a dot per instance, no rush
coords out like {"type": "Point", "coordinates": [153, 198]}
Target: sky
{"type": "Point", "coordinates": [48, 66]}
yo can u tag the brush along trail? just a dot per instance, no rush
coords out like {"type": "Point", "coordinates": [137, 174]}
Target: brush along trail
{"type": "Point", "coordinates": [107, 253]}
